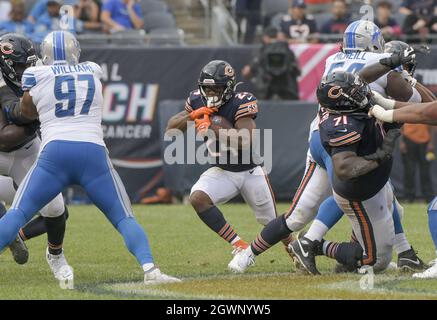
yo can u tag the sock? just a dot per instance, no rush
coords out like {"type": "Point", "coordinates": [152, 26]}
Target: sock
{"type": "Point", "coordinates": [275, 231]}
{"type": "Point", "coordinates": [135, 240]}
{"type": "Point", "coordinates": [10, 224]}
{"type": "Point", "coordinates": [345, 253]}
{"type": "Point", "coordinates": [55, 233]}
{"type": "Point", "coordinates": [401, 243]}
{"type": "Point", "coordinates": [215, 220]}
{"type": "Point", "coordinates": [432, 224]}
{"type": "Point", "coordinates": [36, 227]}
{"type": "Point", "coordinates": [329, 248]}
{"type": "Point", "coordinates": [316, 231]}
{"type": "Point", "coordinates": [147, 267]}
{"type": "Point", "coordinates": [397, 219]}
{"type": "Point", "coordinates": [328, 215]}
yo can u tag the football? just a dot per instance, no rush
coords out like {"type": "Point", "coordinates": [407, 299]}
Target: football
{"type": "Point", "coordinates": [219, 122]}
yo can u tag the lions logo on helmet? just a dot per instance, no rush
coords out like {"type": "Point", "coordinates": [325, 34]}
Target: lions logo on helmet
{"type": "Point", "coordinates": [363, 35]}
{"type": "Point", "coordinates": [217, 83]}
{"type": "Point", "coordinates": [343, 92]}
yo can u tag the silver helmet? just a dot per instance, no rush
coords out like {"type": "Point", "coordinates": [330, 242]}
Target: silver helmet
{"type": "Point", "coordinates": [363, 35]}
{"type": "Point", "coordinates": [60, 46]}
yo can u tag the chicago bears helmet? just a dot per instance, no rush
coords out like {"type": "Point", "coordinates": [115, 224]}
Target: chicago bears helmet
{"type": "Point", "coordinates": [217, 82]}
{"type": "Point", "coordinates": [363, 35]}
{"type": "Point", "coordinates": [17, 53]}
{"type": "Point", "coordinates": [343, 92]}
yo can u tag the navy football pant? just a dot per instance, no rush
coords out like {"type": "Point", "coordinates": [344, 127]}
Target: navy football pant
{"type": "Point", "coordinates": [63, 163]}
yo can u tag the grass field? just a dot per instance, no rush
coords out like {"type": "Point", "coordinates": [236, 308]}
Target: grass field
{"type": "Point", "coordinates": [183, 246]}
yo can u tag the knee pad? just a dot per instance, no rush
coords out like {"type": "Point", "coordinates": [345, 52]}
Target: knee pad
{"type": "Point", "coordinates": [54, 208]}
{"type": "Point", "coordinates": [299, 218]}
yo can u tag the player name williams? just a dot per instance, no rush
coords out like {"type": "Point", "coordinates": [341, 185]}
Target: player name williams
{"type": "Point", "coordinates": [219, 310]}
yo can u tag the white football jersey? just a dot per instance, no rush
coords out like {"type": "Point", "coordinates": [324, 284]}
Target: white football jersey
{"type": "Point", "coordinates": [69, 101]}
{"type": "Point", "coordinates": [354, 62]}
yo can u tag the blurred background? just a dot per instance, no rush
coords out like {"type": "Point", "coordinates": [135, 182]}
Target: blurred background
{"type": "Point", "coordinates": [152, 51]}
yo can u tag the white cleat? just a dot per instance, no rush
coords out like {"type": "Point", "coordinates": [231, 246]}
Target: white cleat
{"type": "Point", "coordinates": [155, 276]}
{"type": "Point", "coordinates": [430, 273]}
{"type": "Point", "coordinates": [59, 266]}
{"type": "Point", "coordinates": [242, 260]}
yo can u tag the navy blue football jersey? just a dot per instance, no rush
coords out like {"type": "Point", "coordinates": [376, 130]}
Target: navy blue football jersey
{"type": "Point", "coordinates": [360, 134]}
{"type": "Point", "coordinates": [242, 104]}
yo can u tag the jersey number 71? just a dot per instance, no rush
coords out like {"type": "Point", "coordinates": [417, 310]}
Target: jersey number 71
{"type": "Point", "coordinates": [70, 94]}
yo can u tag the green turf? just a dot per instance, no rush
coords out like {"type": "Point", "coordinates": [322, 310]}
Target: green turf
{"type": "Point", "coordinates": [183, 246]}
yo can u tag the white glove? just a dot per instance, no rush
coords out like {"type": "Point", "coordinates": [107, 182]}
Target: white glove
{"type": "Point", "coordinates": [381, 114]}
{"type": "Point", "coordinates": [387, 104]}
{"type": "Point", "coordinates": [409, 78]}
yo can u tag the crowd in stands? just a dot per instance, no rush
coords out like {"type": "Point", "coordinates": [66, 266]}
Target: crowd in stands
{"type": "Point", "coordinates": [36, 18]}
{"type": "Point", "coordinates": [325, 20]}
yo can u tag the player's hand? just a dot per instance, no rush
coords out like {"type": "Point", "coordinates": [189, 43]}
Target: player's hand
{"type": "Point", "coordinates": [397, 59]}
{"type": "Point", "coordinates": [202, 124]}
{"type": "Point", "coordinates": [385, 152]}
{"type": "Point", "coordinates": [407, 77]}
{"type": "Point", "coordinates": [198, 113]}
{"type": "Point", "coordinates": [381, 114]}
{"type": "Point", "coordinates": [387, 104]}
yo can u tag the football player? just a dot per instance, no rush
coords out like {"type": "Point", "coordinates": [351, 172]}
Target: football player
{"type": "Point", "coordinates": [361, 153]}
{"type": "Point", "coordinates": [390, 111]}
{"type": "Point", "coordinates": [226, 179]}
{"type": "Point", "coordinates": [66, 96]}
{"type": "Point", "coordinates": [19, 147]}
{"type": "Point", "coordinates": [363, 46]}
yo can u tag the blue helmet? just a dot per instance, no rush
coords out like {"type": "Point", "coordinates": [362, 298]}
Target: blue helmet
{"type": "Point", "coordinates": [363, 35]}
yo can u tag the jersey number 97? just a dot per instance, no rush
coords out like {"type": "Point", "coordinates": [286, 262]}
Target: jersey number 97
{"type": "Point", "coordinates": [69, 95]}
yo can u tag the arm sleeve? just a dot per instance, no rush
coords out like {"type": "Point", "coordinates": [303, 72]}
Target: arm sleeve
{"type": "Point", "coordinates": [248, 108]}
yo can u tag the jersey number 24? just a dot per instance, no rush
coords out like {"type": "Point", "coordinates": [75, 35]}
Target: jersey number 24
{"type": "Point", "coordinates": [70, 94]}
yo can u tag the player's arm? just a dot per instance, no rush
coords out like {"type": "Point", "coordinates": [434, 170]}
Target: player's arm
{"type": "Point", "coordinates": [179, 121]}
{"type": "Point", "coordinates": [403, 112]}
{"type": "Point", "coordinates": [347, 165]}
{"type": "Point", "coordinates": [242, 136]}
{"type": "Point", "coordinates": [375, 71]}
{"type": "Point", "coordinates": [23, 112]}
{"type": "Point", "coordinates": [425, 93]}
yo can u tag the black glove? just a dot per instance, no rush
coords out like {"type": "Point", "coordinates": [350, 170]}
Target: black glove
{"type": "Point", "coordinates": [385, 152]}
{"type": "Point", "coordinates": [398, 58]}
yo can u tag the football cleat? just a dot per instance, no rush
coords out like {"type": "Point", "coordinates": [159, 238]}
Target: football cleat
{"type": "Point", "coordinates": [19, 250]}
{"type": "Point", "coordinates": [59, 266]}
{"type": "Point", "coordinates": [409, 261]}
{"type": "Point", "coordinates": [238, 246]}
{"type": "Point", "coordinates": [430, 273]}
{"type": "Point", "coordinates": [155, 276]}
{"type": "Point", "coordinates": [305, 251]}
{"type": "Point", "coordinates": [242, 260]}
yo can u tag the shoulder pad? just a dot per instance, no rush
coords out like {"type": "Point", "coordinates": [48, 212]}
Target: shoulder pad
{"type": "Point", "coordinates": [246, 104]}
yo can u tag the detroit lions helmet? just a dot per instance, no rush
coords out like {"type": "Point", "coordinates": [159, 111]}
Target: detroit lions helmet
{"type": "Point", "coordinates": [363, 35]}
{"type": "Point", "coordinates": [60, 47]}
{"type": "Point", "coordinates": [217, 83]}
{"type": "Point", "coordinates": [343, 92]}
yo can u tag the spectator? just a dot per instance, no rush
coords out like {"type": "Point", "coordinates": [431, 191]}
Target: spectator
{"type": "Point", "coordinates": [389, 27]}
{"type": "Point", "coordinates": [340, 18]}
{"type": "Point", "coordinates": [51, 21]}
{"type": "Point", "coordinates": [5, 8]}
{"type": "Point", "coordinates": [39, 9]}
{"type": "Point", "coordinates": [297, 27]}
{"type": "Point", "coordinates": [410, 6]}
{"type": "Point", "coordinates": [119, 15]}
{"type": "Point", "coordinates": [87, 11]}
{"type": "Point", "coordinates": [416, 142]}
{"type": "Point", "coordinates": [17, 20]}
{"type": "Point", "coordinates": [249, 10]}
{"type": "Point", "coordinates": [419, 24]}
{"type": "Point", "coordinates": [274, 70]}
